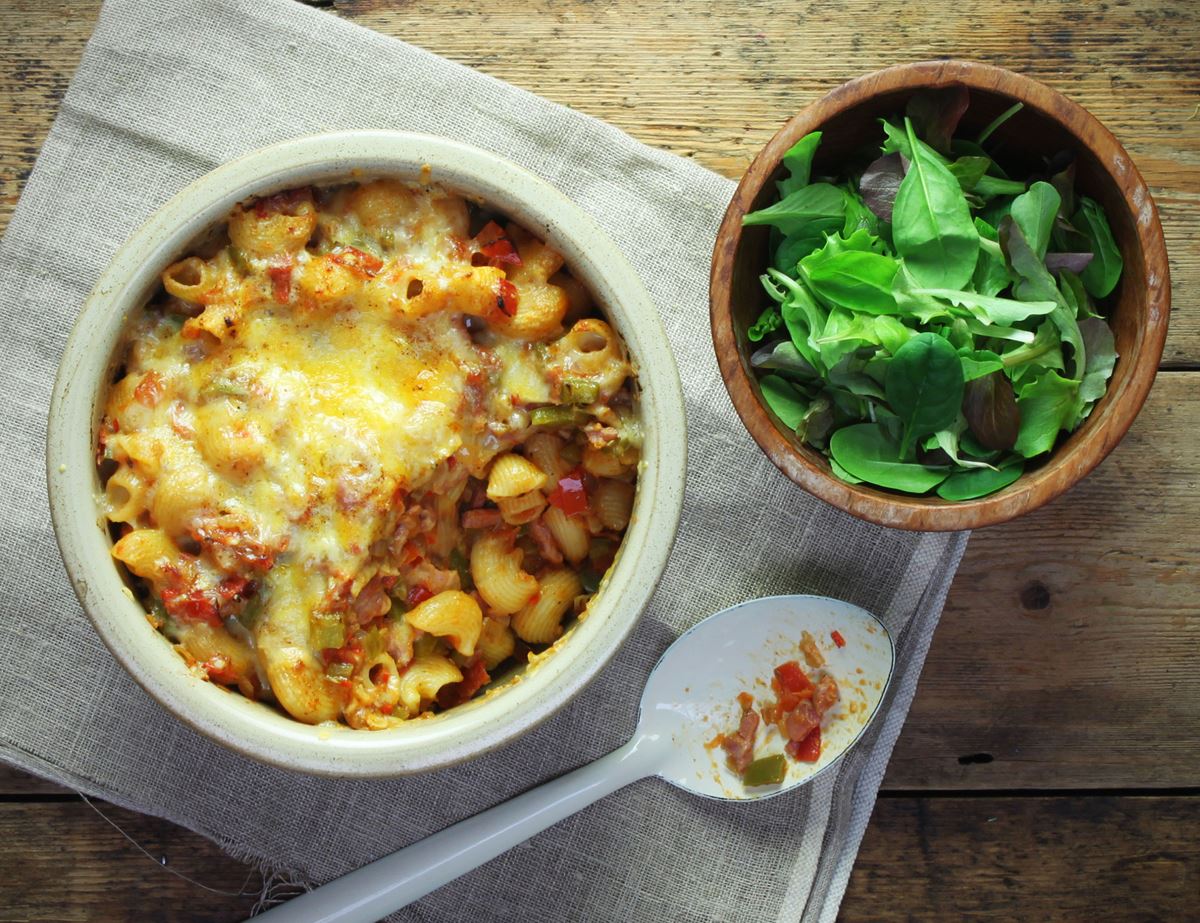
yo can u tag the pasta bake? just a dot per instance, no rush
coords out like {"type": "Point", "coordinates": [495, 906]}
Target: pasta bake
{"type": "Point", "coordinates": [369, 447]}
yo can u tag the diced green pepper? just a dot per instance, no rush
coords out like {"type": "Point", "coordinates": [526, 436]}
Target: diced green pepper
{"type": "Point", "coordinates": [579, 391]}
{"type": "Point", "coordinates": [238, 258]}
{"type": "Point", "coordinates": [766, 770]}
{"type": "Point", "coordinates": [338, 671]}
{"type": "Point", "coordinates": [557, 416]}
{"type": "Point", "coordinates": [387, 238]}
{"type": "Point", "coordinates": [459, 562]}
{"type": "Point", "coordinates": [327, 633]}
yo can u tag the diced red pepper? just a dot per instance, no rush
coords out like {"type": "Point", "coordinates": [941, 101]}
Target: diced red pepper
{"type": "Point", "coordinates": [281, 277]}
{"type": "Point", "coordinates": [569, 495]}
{"type": "Point", "coordinates": [234, 587]}
{"type": "Point", "coordinates": [191, 606]}
{"type": "Point", "coordinates": [807, 750]}
{"type": "Point", "coordinates": [417, 595]}
{"type": "Point", "coordinates": [501, 252]}
{"type": "Point", "coordinates": [363, 265]}
{"type": "Point", "coordinates": [474, 678]}
{"type": "Point", "coordinates": [150, 389]}
{"type": "Point", "coordinates": [507, 298]}
{"type": "Point", "coordinates": [792, 678]}
{"type": "Point", "coordinates": [837, 638]}
{"type": "Point", "coordinates": [489, 234]}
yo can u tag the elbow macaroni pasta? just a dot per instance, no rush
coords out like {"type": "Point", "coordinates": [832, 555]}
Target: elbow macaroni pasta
{"type": "Point", "coordinates": [366, 451]}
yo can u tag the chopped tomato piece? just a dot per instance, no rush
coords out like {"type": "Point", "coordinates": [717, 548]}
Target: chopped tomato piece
{"type": "Point", "coordinates": [507, 298]}
{"type": "Point", "coordinates": [837, 638]}
{"type": "Point", "coordinates": [501, 252]}
{"type": "Point", "coordinates": [191, 606]}
{"type": "Point", "coordinates": [489, 234]}
{"type": "Point", "coordinates": [281, 277]}
{"type": "Point", "coordinates": [569, 495]}
{"type": "Point", "coordinates": [792, 678]}
{"type": "Point", "coordinates": [807, 750]}
{"type": "Point", "coordinates": [149, 389]}
{"type": "Point", "coordinates": [417, 595]}
{"type": "Point", "coordinates": [364, 265]}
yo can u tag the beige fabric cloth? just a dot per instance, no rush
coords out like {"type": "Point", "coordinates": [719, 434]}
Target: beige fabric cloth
{"type": "Point", "coordinates": [166, 91]}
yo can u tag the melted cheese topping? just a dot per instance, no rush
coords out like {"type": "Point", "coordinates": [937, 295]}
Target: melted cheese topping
{"type": "Point", "coordinates": [287, 455]}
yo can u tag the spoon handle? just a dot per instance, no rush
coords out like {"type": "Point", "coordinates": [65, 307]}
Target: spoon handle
{"type": "Point", "coordinates": [373, 891]}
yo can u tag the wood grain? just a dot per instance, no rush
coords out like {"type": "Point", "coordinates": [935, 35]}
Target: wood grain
{"type": "Point", "coordinates": [1133, 860]}
{"type": "Point", "coordinates": [72, 866]}
{"type": "Point", "coordinates": [1063, 858]}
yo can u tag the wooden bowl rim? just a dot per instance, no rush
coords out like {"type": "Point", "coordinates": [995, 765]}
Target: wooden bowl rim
{"type": "Point", "coordinates": [1064, 469]}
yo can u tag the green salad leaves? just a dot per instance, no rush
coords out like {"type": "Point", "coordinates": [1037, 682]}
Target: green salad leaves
{"type": "Point", "coordinates": [933, 321]}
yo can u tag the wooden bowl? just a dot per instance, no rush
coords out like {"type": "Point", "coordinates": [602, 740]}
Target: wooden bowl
{"type": "Point", "coordinates": [1137, 310]}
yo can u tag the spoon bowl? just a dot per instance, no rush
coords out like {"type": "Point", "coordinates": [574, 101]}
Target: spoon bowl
{"type": "Point", "coordinates": [692, 694]}
{"type": "Point", "coordinates": [690, 698]}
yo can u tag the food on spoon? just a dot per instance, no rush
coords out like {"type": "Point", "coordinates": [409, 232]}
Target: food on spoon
{"type": "Point", "coordinates": [935, 324]}
{"type": "Point", "coordinates": [796, 712]}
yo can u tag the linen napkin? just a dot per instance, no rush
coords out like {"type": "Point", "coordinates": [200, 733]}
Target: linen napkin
{"type": "Point", "coordinates": [166, 91]}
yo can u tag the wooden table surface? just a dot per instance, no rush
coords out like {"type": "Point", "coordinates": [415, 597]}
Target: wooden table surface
{"type": "Point", "coordinates": [1050, 767]}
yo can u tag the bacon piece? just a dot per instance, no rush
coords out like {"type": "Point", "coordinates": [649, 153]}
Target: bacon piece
{"type": "Point", "coordinates": [363, 265]}
{"type": "Point", "coordinates": [281, 278]}
{"type": "Point", "coordinates": [372, 601]}
{"type": "Point", "coordinates": [800, 721]}
{"type": "Point", "coordinates": [474, 678]}
{"type": "Point", "coordinates": [739, 747]}
{"type": "Point", "coordinates": [546, 545]}
{"type": "Point", "coordinates": [481, 519]}
{"type": "Point", "coordinates": [826, 694]}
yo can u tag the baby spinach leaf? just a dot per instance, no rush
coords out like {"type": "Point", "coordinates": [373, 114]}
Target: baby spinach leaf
{"type": "Point", "coordinates": [936, 113]}
{"type": "Point", "coordinates": [854, 280]}
{"type": "Point", "coordinates": [785, 400]}
{"type": "Point", "coordinates": [802, 316]}
{"type": "Point", "coordinates": [1034, 282]}
{"type": "Point", "coordinates": [992, 310]}
{"type": "Point", "coordinates": [1047, 405]}
{"type": "Point", "coordinates": [1104, 271]}
{"type": "Point", "coordinates": [1016, 334]}
{"type": "Point", "coordinates": [843, 473]}
{"type": "Point", "coordinates": [971, 446]}
{"type": "Point", "coordinates": [848, 374]}
{"type": "Point", "coordinates": [768, 322]}
{"type": "Point", "coordinates": [858, 216]}
{"type": "Point", "coordinates": [817, 422]}
{"type": "Point", "coordinates": [991, 275]}
{"type": "Point", "coordinates": [991, 411]}
{"type": "Point", "coordinates": [969, 171]}
{"type": "Point", "coordinates": [798, 160]}
{"type": "Point", "coordinates": [866, 452]}
{"type": "Point", "coordinates": [924, 387]}
{"type": "Point", "coordinates": [932, 225]}
{"type": "Point", "coordinates": [978, 362]}
{"type": "Point", "coordinates": [989, 186]}
{"type": "Point", "coordinates": [792, 248]}
{"type": "Point", "coordinates": [879, 184]}
{"type": "Point", "coordinates": [1034, 211]}
{"type": "Point", "coordinates": [891, 333]}
{"type": "Point", "coordinates": [807, 204]}
{"type": "Point", "coordinates": [968, 485]}
{"type": "Point", "coordinates": [1045, 350]}
{"type": "Point", "coordinates": [1071, 287]}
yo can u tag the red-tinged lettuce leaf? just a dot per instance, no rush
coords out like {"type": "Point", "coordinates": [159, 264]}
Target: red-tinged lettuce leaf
{"type": "Point", "coordinates": [879, 184]}
{"type": "Point", "coordinates": [936, 113]}
{"type": "Point", "coordinates": [1075, 262]}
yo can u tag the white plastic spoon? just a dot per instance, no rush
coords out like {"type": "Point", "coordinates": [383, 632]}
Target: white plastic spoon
{"type": "Point", "coordinates": [689, 698]}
